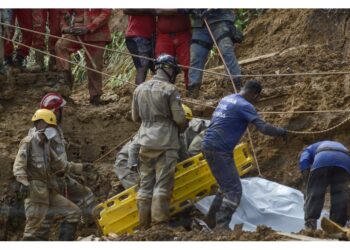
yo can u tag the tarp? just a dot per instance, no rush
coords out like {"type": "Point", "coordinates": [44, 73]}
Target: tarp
{"type": "Point", "coordinates": [266, 203]}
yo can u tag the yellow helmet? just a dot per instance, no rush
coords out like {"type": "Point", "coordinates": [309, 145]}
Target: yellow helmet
{"type": "Point", "coordinates": [188, 112]}
{"type": "Point", "coordinates": [44, 114]}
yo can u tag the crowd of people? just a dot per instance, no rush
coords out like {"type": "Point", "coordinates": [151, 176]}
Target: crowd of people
{"type": "Point", "coordinates": [167, 134]}
{"type": "Point", "coordinates": [150, 33]}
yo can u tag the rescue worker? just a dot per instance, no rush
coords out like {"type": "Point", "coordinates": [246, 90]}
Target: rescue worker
{"type": "Point", "coordinates": [229, 122]}
{"type": "Point", "coordinates": [126, 163]}
{"type": "Point", "coordinates": [91, 25]}
{"type": "Point", "coordinates": [5, 17]}
{"type": "Point", "coordinates": [156, 103]}
{"type": "Point", "coordinates": [69, 185]}
{"type": "Point", "coordinates": [24, 20]}
{"type": "Point", "coordinates": [34, 168]}
{"type": "Point", "coordinates": [174, 37]}
{"type": "Point", "coordinates": [328, 164]}
{"type": "Point", "coordinates": [139, 39]}
{"type": "Point", "coordinates": [221, 25]}
{"type": "Point", "coordinates": [40, 18]}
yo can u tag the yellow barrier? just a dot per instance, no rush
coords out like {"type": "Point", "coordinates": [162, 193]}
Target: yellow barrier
{"type": "Point", "coordinates": [193, 182]}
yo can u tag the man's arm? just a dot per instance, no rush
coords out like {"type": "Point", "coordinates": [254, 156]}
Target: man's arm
{"type": "Point", "coordinates": [267, 128]}
{"type": "Point", "coordinates": [306, 158]}
{"type": "Point", "coordinates": [133, 153]}
{"type": "Point", "coordinates": [176, 110]}
{"type": "Point", "coordinates": [135, 109]}
{"type": "Point", "coordinates": [100, 20]}
{"type": "Point", "coordinates": [21, 161]}
{"type": "Point", "coordinates": [250, 114]}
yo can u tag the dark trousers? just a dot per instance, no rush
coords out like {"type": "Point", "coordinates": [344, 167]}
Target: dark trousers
{"type": "Point", "coordinates": [335, 177]}
{"type": "Point", "coordinates": [225, 172]}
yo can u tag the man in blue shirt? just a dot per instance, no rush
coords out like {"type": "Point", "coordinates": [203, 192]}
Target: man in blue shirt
{"type": "Point", "coordinates": [328, 163]}
{"type": "Point", "coordinates": [229, 122]}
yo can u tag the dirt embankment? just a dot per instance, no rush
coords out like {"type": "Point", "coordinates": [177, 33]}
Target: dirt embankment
{"type": "Point", "coordinates": [320, 41]}
{"type": "Point", "coordinates": [301, 41]}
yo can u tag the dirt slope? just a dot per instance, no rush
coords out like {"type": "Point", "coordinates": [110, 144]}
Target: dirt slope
{"type": "Point", "coordinates": [320, 38]}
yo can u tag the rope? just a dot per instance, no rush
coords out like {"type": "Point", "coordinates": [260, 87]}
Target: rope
{"type": "Point", "coordinates": [234, 87]}
{"type": "Point", "coordinates": [186, 66]}
{"type": "Point", "coordinates": [114, 148]}
{"type": "Point", "coordinates": [186, 100]}
{"type": "Point", "coordinates": [320, 131]}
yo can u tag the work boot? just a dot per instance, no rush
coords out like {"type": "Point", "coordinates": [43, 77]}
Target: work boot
{"type": "Point", "coordinates": [52, 61]}
{"type": "Point", "coordinates": [2, 69]}
{"type": "Point", "coordinates": [210, 218]}
{"type": "Point", "coordinates": [160, 208]}
{"type": "Point", "coordinates": [144, 211]}
{"type": "Point", "coordinates": [310, 225]}
{"type": "Point", "coordinates": [193, 91]}
{"type": "Point", "coordinates": [19, 62]}
{"type": "Point", "coordinates": [67, 231]}
{"type": "Point", "coordinates": [95, 100]}
{"type": "Point", "coordinates": [39, 65]}
{"type": "Point", "coordinates": [30, 238]}
{"type": "Point", "coordinates": [225, 213]}
{"type": "Point", "coordinates": [8, 61]}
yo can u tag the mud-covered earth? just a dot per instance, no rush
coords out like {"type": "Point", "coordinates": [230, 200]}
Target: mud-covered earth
{"type": "Point", "coordinates": [277, 42]}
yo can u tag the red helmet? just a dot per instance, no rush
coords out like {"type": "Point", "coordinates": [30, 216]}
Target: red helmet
{"type": "Point", "coordinates": [52, 101]}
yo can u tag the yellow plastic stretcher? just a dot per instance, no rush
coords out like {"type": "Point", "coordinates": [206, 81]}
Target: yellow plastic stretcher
{"type": "Point", "coordinates": [193, 182]}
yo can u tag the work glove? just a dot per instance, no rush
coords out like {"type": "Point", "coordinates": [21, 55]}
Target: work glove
{"type": "Point", "coordinates": [23, 191]}
{"type": "Point", "coordinates": [79, 31]}
{"type": "Point", "coordinates": [284, 135]}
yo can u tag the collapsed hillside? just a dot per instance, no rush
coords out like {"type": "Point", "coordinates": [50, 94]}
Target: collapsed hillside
{"type": "Point", "coordinates": [294, 41]}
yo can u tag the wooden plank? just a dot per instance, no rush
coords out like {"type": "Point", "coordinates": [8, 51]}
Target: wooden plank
{"type": "Point", "coordinates": [302, 237]}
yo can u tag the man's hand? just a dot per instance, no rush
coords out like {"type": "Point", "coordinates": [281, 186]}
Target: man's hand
{"type": "Point", "coordinates": [23, 191]}
{"type": "Point", "coordinates": [79, 31]}
{"type": "Point", "coordinates": [285, 136]}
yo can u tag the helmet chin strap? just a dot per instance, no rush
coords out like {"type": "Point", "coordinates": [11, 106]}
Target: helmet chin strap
{"type": "Point", "coordinates": [170, 77]}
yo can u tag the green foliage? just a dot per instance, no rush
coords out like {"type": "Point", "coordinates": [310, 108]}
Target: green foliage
{"type": "Point", "coordinates": [244, 16]}
{"type": "Point", "coordinates": [119, 65]}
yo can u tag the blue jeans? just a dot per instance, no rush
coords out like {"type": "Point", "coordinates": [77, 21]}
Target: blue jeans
{"type": "Point", "coordinates": [224, 170]}
{"type": "Point", "coordinates": [199, 53]}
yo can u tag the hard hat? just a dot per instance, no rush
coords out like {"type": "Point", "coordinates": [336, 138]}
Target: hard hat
{"type": "Point", "coordinates": [165, 60]}
{"type": "Point", "coordinates": [44, 114]}
{"type": "Point", "coordinates": [52, 101]}
{"type": "Point", "coordinates": [188, 112]}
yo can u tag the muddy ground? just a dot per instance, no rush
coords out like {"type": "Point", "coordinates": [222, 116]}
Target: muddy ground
{"type": "Point", "coordinates": [302, 40]}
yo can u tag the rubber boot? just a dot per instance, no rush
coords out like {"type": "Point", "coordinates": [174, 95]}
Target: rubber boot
{"type": "Point", "coordinates": [67, 231]}
{"type": "Point", "coordinates": [210, 218]}
{"type": "Point", "coordinates": [144, 211]}
{"type": "Point", "coordinates": [39, 65]}
{"type": "Point", "coordinates": [160, 209]}
{"type": "Point", "coordinates": [19, 62]}
{"type": "Point", "coordinates": [95, 100]}
{"type": "Point", "coordinates": [52, 61]}
{"type": "Point", "coordinates": [8, 61]}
